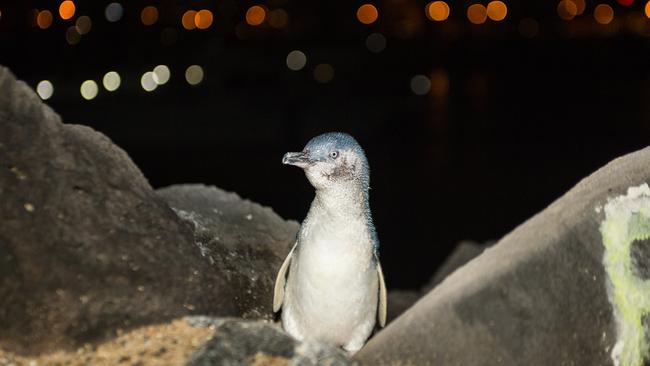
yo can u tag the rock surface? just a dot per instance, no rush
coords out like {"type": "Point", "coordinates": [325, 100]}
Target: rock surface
{"type": "Point", "coordinates": [87, 246]}
{"type": "Point", "coordinates": [464, 252]}
{"type": "Point", "coordinates": [401, 300]}
{"type": "Point", "coordinates": [239, 342]}
{"type": "Point", "coordinates": [540, 295]}
{"type": "Point", "coordinates": [243, 240]}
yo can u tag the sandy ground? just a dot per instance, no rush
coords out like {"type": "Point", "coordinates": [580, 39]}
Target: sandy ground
{"type": "Point", "coordinates": [162, 344]}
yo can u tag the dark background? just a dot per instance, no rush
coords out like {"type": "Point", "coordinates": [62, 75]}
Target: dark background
{"type": "Point", "coordinates": [513, 121]}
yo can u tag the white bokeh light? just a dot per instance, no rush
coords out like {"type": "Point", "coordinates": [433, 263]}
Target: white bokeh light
{"type": "Point", "coordinates": [161, 74]}
{"type": "Point", "coordinates": [194, 74]}
{"type": "Point", "coordinates": [89, 89]}
{"type": "Point", "coordinates": [114, 12]}
{"type": "Point", "coordinates": [296, 60]}
{"type": "Point", "coordinates": [147, 82]}
{"type": "Point", "coordinates": [420, 85]}
{"type": "Point", "coordinates": [111, 81]}
{"type": "Point", "coordinates": [45, 89]}
{"type": "Point", "coordinates": [376, 42]}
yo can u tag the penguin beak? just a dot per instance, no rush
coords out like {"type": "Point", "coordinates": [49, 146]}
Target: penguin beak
{"type": "Point", "coordinates": [299, 159]}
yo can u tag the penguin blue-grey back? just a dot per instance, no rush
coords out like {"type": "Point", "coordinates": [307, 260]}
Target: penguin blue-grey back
{"type": "Point", "coordinates": [331, 286]}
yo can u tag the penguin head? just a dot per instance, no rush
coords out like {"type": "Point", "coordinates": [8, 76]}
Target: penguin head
{"type": "Point", "coordinates": [332, 160]}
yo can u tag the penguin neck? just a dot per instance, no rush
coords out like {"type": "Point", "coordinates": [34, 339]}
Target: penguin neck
{"type": "Point", "coordinates": [351, 201]}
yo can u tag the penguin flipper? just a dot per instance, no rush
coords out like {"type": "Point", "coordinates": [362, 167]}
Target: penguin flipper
{"type": "Point", "coordinates": [381, 307]}
{"type": "Point", "coordinates": [280, 281]}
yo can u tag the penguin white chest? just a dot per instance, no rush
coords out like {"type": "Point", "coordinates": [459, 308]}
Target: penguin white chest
{"type": "Point", "coordinates": [332, 289]}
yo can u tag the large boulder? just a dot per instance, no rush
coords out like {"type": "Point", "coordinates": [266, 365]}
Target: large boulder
{"type": "Point", "coordinates": [258, 343]}
{"type": "Point", "coordinates": [567, 287]}
{"type": "Point", "coordinates": [86, 245]}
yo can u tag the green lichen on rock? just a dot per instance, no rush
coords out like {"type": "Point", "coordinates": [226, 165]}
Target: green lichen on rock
{"type": "Point", "coordinates": [627, 220]}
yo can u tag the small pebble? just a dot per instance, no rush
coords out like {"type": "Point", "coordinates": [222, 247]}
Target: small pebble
{"type": "Point", "coordinates": [29, 207]}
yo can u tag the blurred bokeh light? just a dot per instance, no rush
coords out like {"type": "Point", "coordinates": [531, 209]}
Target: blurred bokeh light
{"type": "Point", "coordinates": [83, 24]}
{"type": "Point", "coordinates": [367, 14]}
{"type": "Point", "coordinates": [477, 13]}
{"type": "Point", "coordinates": [67, 9]}
{"type": "Point", "coordinates": [44, 19]}
{"type": "Point", "coordinates": [296, 60]}
{"type": "Point", "coordinates": [497, 10]}
{"type": "Point", "coordinates": [149, 15]}
{"type": "Point", "coordinates": [114, 12]}
{"type": "Point", "coordinates": [194, 75]}
{"type": "Point", "coordinates": [376, 42]}
{"type": "Point", "coordinates": [147, 82]}
{"type": "Point", "coordinates": [278, 18]}
{"type": "Point", "coordinates": [161, 74]}
{"type": "Point", "coordinates": [188, 19]}
{"type": "Point", "coordinates": [45, 89]}
{"type": "Point", "coordinates": [89, 89]}
{"type": "Point", "coordinates": [255, 15]}
{"type": "Point", "coordinates": [323, 73]}
{"type": "Point", "coordinates": [203, 19]}
{"type": "Point", "coordinates": [111, 81]}
{"type": "Point", "coordinates": [437, 10]}
{"type": "Point", "coordinates": [420, 85]}
{"type": "Point", "coordinates": [603, 13]}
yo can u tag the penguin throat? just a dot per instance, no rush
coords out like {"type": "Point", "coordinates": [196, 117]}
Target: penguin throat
{"type": "Point", "coordinates": [350, 202]}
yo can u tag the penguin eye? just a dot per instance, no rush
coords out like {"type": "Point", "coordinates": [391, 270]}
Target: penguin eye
{"type": "Point", "coordinates": [334, 154]}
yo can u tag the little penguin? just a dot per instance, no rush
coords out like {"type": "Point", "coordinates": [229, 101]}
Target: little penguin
{"type": "Point", "coordinates": [331, 286]}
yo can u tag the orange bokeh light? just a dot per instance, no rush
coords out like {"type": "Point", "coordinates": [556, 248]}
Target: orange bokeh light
{"type": "Point", "coordinates": [603, 13]}
{"type": "Point", "coordinates": [149, 15]}
{"type": "Point", "coordinates": [477, 13]}
{"type": "Point", "coordinates": [44, 19]}
{"type": "Point", "coordinates": [567, 9]}
{"type": "Point", "coordinates": [647, 9]}
{"type": "Point", "coordinates": [67, 9]}
{"type": "Point", "coordinates": [188, 19]}
{"type": "Point", "coordinates": [367, 14]}
{"type": "Point", "coordinates": [278, 18]}
{"type": "Point", "coordinates": [497, 10]}
{"type": "Point", "coordinates": [437, 10]}
{"type": "Point", "coordinates": [255, 15]}
{"type": "Point", "coordinates": [203, 19]}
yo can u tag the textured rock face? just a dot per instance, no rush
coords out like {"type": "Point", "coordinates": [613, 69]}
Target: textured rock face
{"type": "Point", "coordinates": [86, 246]}
{"type": "Point", "coordinates": [547, 293]}
{"type": "Point", "coordinates": [257, 343]}
{"type": "Point", "coordinates": [243, 240]}
{"type": "Point", "coordinates": [401, 300]}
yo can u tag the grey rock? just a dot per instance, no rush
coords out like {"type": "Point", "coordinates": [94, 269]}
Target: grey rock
{"type": "Point", "coordinates": [87, 246]}
{"type": "Point", "coordinates": [537, 297]}
{"type": "Point", "coordinates": [244, 241]}
{"type": "Point", "coordinates": [399, 301]}
{"type": "Point", "coordinates": [464, 252]}
{"type": "Point", "coordinates": [205, 321]}
{"type": "Point", "coordinates": [81, 231]}
{"type": "Point", "coordinates": [238, 342]}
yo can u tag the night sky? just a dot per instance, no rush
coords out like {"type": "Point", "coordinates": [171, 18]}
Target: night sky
{"type": "Point", "coordinates": [471, 124]}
